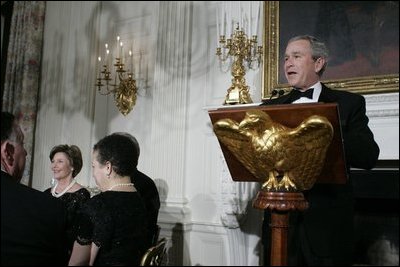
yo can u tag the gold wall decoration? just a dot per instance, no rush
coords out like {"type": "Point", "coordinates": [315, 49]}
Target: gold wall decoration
{"type": "Point", "coordinates": [237, 46]}
{"type": "Point", "coordinates": [242, 49]}
{"type": "Point", "coordinates": [122, 84]}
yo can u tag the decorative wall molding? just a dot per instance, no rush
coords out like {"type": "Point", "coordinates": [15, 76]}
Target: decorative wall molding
{"type": "Point", "coordinates": [170, 97]}
{"type": "Point", "coordinates": [235, 197]}
{"type": "Point", "coordinates": [238, 255]}
{"type": "Point", "coordinates": [382, 105]}
{"type": "Point", "coordinates": [383, 98]}
{"type": "Point", "coordinates": [177, 235]}
{"type": "Point", "coordinates": [384, 113]}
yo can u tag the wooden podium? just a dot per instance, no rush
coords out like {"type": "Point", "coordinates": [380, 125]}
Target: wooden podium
{"type": "Point", "coordinates": [280, 204]}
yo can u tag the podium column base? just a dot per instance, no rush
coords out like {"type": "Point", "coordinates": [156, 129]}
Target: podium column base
{"type": "Point", "coordinates": [280, 204]}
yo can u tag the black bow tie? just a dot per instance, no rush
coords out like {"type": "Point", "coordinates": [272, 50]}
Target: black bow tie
{"type": "Point", "coordinates": [296, 94]}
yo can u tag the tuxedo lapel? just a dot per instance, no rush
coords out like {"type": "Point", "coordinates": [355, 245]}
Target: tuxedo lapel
{"type": "Point", "coordinates": [326, 96]}
{"type": "Point", "coordinates": [331, 96]}
{"type": "Point", "coordinates": [286, 99]}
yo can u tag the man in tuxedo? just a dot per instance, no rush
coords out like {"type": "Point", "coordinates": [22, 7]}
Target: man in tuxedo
{"type": "Point", "coordinates": [323, 234]}
{"type": "Point", "coordinates": [32, 222]}
{"type": "Point", "coordinates": [148, 191]}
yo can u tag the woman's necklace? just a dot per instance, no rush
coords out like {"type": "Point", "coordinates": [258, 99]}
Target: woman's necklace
{"type": "Point", "coordinates": [55, 194]}
{"type": "Point", "coordinates": [116, 185]}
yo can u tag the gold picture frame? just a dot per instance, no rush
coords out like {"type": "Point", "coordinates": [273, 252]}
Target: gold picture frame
{"type": "Point", "coordinates": [271, 67]}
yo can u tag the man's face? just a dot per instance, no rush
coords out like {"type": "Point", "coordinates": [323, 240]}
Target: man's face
{"type": "Point", "coordinates": [301, 70]}
{"type": "Point", "coordinates": [19, 154]}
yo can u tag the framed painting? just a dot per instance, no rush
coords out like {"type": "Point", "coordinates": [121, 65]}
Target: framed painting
{"type": "Point", "coordinates": [362, 37]}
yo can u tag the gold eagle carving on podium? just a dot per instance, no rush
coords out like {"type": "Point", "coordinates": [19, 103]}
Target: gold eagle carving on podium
{"type": "Point", "coordinates": [281, 158]}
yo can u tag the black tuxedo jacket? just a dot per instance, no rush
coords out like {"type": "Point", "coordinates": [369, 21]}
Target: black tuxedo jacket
{"type": "Point", "coordinates": [361, 150]}
{"type": "Point", "coordinates": [32, 226]}
{"type": "Point", "coordinates": [149, 193]}
{"type": "Point", "coordinates": [322, 235]}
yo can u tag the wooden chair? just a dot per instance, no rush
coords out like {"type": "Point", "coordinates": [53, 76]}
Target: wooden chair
{"type": "Point", "coordinates": [155, 254]}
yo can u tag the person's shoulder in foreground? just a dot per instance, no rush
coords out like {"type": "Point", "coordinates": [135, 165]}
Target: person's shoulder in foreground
{"type": "Point", "coordinates": [32, 223]}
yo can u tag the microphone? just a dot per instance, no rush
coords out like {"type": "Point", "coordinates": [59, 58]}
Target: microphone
{"type": "Point", "coordinates": [276, 92]}
{"type": "Point", "coordinates": [273, 93]}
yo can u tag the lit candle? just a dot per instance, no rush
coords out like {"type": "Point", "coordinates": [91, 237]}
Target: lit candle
{"type": "Point", "coordinates": [224, 18]}
{"type": "Point", "coordinates": [99, 71]}
{"type": "Point", "coordinates": [218, 33]}
{"type": "Point", "coordinates": [240, 15]}
{"type": "Point", "coordinates": [106, 56]}
{"type": "Point", "coordinates": [229, 21]}
{"type": "Point", "coordinates": [117, 45]}
{"type": "Point", "coordinates": [131, 60]}
{"type": "Point", "coordinates": [140, 65]}
{"type": "Point", "coordinates": [258, 17]}
{"type": "Point", "coordinates": [250, 19]}
{"type": "Point", "coordinates": [121, 51]}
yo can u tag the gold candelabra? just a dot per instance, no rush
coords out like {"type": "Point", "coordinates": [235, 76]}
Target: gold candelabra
{"type": "Point", "coordinates": [124, 86]}
{"type": "Point", "coordinates": [242, 50]}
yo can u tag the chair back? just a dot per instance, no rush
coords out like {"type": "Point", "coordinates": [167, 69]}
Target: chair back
{"type": "Point", "coordinates": [155, 254]}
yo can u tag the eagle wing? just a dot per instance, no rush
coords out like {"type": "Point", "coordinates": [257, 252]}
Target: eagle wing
{"type": "Point", "coordinates": [299, 153]}
{"type": "Point", "coordinates": [238, 138]}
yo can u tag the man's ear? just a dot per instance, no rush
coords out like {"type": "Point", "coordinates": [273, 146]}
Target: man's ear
{"type": "Point", "coordinates": [319, 63]}
{"type": "Point", "coordinates": [7, 153]}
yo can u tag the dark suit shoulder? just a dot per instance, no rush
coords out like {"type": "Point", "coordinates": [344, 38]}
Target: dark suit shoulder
{"type": "Point", "coordinates": [30, 200]}
{"type": "Point", "coordinates": [143, 182]}
{"type": "Point", "coordinates": [33, 226]}
{"type": "Point", "coordinates": [147, 189]}
{"type": "Point", "coordinates": [332, 95]}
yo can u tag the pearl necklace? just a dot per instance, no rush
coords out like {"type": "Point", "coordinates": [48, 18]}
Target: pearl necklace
{"type": "Point", "coordinates": [55, 194]}
{"type": "Point", "coordinates": [116, 185]}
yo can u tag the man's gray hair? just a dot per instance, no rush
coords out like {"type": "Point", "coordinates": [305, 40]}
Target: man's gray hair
{"type": "Point", "coordinates": [318, 49]}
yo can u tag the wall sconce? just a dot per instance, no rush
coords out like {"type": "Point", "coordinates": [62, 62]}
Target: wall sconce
{"type": "Point", "coordinates": [124, 85]}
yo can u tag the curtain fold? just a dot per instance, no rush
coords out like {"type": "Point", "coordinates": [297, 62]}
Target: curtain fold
{"type": "Point", "coordinates": [22, 76]}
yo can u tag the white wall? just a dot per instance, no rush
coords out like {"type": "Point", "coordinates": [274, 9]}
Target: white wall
{"type": "Point", "coordinates": [383, 114]}
{"type": "Point", "coordinates": [203, 212]}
